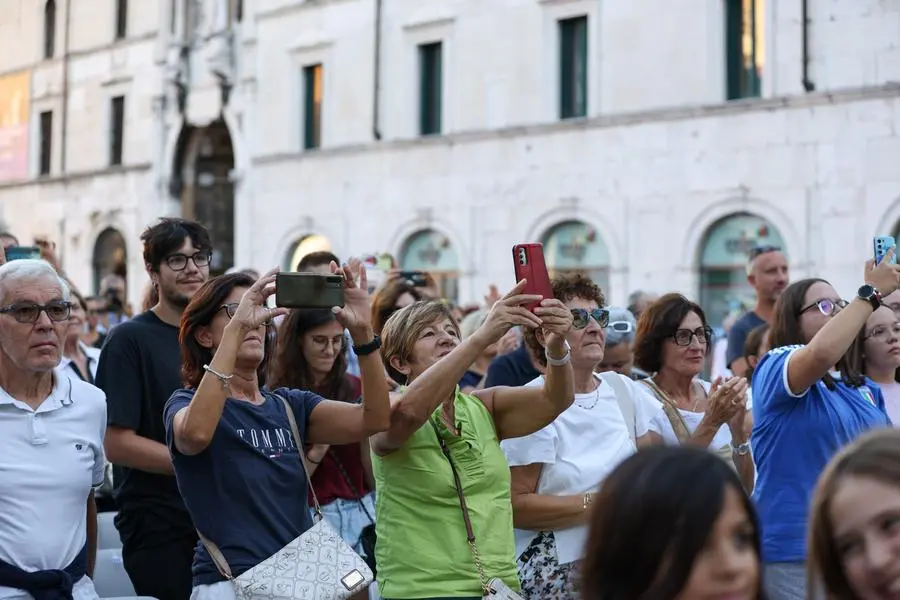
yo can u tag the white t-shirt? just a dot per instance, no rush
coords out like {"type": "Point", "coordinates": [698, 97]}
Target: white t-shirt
{"type": "Point", "coordinates": [660, 424]}
{"type": "Point", "coordinates": [891, 392]}
{"type": "Point", "coordinates": [578, 450]}
{"type": "Point", "coordinates": [51, 459]}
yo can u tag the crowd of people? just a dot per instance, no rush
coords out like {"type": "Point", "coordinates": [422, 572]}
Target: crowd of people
{"type": "Point", "coordinates": [402, 447]}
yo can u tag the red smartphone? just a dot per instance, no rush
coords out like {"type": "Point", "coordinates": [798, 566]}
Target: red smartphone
{"type": "Point", "coordinates": [529, 263]}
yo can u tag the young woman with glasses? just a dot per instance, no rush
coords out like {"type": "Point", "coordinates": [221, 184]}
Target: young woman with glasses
{"type": "Point", "coordinates": [672, 342]}
{"type": "Point", "coordinates": [557, 470]}
{"type": "Point", "coordinates": [876, 354]}
{"type": "Point", "coordinates": [808, 402]}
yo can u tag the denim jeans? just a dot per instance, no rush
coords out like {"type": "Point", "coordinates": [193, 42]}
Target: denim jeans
{"type": "Point", "coordinates": [348, 519]}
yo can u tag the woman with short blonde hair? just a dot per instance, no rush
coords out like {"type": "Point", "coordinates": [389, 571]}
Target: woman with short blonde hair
{"type": "Point", "coordinates": [443, 443]}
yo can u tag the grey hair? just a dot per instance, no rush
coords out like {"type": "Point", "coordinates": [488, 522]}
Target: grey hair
{"type": "Point", "coordinates": [29, 269]}
{"type": "Point", "coordinates": [613, 337]}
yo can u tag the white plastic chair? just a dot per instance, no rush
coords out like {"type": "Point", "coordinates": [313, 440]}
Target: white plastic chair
{"type": "Point", "coordinates": [110, 578]}
{"type": "Point", "coordinates": [107, 534]}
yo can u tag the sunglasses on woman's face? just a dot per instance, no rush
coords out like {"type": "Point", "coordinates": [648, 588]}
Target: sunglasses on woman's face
{"type": "Point", "coordinates": [826, 306]}
{"type": "Point", "coordinates": [230, 309]}
{"type": "Point", "coordinates": [581, 317]}
{"type": "Point", "coordinates": [684, 337]}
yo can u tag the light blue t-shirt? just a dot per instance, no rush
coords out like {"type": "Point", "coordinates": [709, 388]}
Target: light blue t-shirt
{"type": "Point", "coordinates": [793, 439]}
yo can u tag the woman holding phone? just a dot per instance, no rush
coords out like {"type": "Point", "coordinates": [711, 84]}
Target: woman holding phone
{"type": "Point", "coordinates": [809, 401]}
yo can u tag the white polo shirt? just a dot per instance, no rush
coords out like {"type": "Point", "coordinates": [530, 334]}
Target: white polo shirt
{"type": "Point", "coordinates": [51, 458]}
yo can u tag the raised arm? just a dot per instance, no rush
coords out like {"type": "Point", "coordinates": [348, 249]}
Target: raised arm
{"type": "Point", "coordinates": [519, 411]}
{"type": "Point", "coordinates": [195, 424]}
{"type": "Point", "coordinates": [810, 363]}
{"type": "Point", "coordinates": [339, 422]}
{"type": "Point", "coordinates": [413, 408]}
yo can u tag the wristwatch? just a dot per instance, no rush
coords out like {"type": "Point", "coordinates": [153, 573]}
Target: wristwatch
{"type": "Point", "coordinates": [742, 449]}
{"type": "Point", "coordinates": [870, 295]}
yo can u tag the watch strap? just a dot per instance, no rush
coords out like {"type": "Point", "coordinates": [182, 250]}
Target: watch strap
{"type": "Point", "coordinates": [369, 347]}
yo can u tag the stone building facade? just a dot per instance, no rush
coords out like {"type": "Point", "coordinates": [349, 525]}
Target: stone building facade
{"type": "Point", "coordinates": [645, 144]}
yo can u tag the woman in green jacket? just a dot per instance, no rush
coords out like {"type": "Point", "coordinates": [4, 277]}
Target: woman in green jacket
{"type": "Point", "coordinates": [423, 550]}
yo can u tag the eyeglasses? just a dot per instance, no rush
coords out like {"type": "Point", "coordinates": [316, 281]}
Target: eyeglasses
{"type": "Point", "coordinates": [684, 337]}
{"type": "Point", "coordinates": [621, 326]}
{"type": "Point", "coordinates": [826, 306]}
{"type": "Point", "coordinates": [230, 309]}
{"type": "Point", "coordinates": [884, 331]}
{"type": "Point", "coordinates": [758, 251]}
{"type": "Point", "coordinates": [28, 313]}
{"type": "Point", "coordinates": [581, 317]}
{"type": "Point", "coordinates": [178, 262]}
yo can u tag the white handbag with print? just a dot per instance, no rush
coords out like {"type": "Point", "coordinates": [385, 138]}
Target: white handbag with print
{"type": "Point", "coordinates": [318, 565]}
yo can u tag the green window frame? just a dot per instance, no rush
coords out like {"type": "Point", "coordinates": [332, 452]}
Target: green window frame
{"type": "Point", "coordinates": [431, 88]}
{"type": "Point", "coordinates": [573, 67]}
{"type": "Point", "coordinates": [744, 48]}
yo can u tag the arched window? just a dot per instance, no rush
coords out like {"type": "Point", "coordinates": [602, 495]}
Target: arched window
{"type": "Point", "coordinates": [306, 245]}
{"type": "Point", "coordinates": [110, 257]}
{"type": "Point", "coordinates": [575, 246]}
{"type": "Point", "coordinates": [723, 263]}
{"type": "Point", "coordinates": [430, 251]}
{"type": "Point", "coordinates": [49, 28]}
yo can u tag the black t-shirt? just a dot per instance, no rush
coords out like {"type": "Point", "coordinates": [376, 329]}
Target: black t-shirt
{"type": "Point", "coordinates": [513, 369]}
{"type": "Point", "coordinates": [139, 369]}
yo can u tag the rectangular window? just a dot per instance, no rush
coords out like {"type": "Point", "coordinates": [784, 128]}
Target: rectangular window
{"type": "Point", "coordinates": [121, 19]}
{"type": "Point", "coordinates": [573, 67]}
{"type": "Point", "coordinates": [312, 107]}
{"type": "Point", "coordinates": [116, 130]}
{"type": "Point", "coordinates": [744, 47]}
{"type": "Point", "coordinates": [431, 87]}
{"type": "Point", "coordinates": [46, 142]}
{"type": "Point", "coordinates": [49, 28]}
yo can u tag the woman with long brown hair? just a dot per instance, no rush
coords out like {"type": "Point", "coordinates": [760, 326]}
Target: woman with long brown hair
{"type": "Point", "coordinates": [804, 411]}
{"type": "Point", "coordinates": [312, 355]}
{"type": "Point", "coordinates": [854, 527]}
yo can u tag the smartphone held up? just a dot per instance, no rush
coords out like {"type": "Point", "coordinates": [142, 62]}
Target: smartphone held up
{"type": "Point", "coordinates": [309, 290]}
{"type": "Point", "coordinates": [882, 244]}
{"type": "Point", "coordinates": [529, 264]}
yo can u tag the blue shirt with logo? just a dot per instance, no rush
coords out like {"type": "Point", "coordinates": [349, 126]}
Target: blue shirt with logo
{"type": "Point", "coordinates": [246, 492]}
{"type": "Point", "coordinates": [793, 439]}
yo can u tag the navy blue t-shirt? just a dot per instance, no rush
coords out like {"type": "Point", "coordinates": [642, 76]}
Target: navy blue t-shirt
{"type": "Point", "coordinates": [246, 492]}
{"type": "Point", "coordinates": [738, 335]}
{"type": "Point", "coordinates": [513, 369]}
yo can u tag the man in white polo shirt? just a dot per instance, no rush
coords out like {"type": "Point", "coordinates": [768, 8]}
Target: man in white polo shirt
{"type": "Point", "coordinates": [52, 429]}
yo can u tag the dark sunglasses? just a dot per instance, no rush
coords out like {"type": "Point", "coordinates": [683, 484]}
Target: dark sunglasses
{"type": "Point", "coordinates": [581, 317]}
{"type": "Point", "coordinates": [684, 337]}
{"type": "Point", "coordinates": [760, 250]}
{"type": "Point", "coordinates": [826, 306]}
{"type": "Point", "coordinates": [230, 309]}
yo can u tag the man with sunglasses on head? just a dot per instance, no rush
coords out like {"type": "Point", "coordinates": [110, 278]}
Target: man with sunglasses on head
{"type": "Point", "coordinates": [767, 273]}
{"type": "Point", "coordinates": [140, 367]}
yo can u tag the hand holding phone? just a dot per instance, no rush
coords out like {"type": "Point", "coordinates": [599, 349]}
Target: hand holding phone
{"type": "Point", "coordinates": [529, 264]}
{"type": "Point", "coordinates": [309, 290]}
{"type": "Point", "coordinates": [882, 244]}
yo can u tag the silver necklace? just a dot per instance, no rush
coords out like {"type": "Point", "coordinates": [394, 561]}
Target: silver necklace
{"type": "Point", "coordinates": [595, 398]}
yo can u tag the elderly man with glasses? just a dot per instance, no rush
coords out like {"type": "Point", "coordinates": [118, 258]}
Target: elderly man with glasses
{"type": "Point", "coordinates": [619, 334]}
{"type": "Point", "coordinates": [52, 429]}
